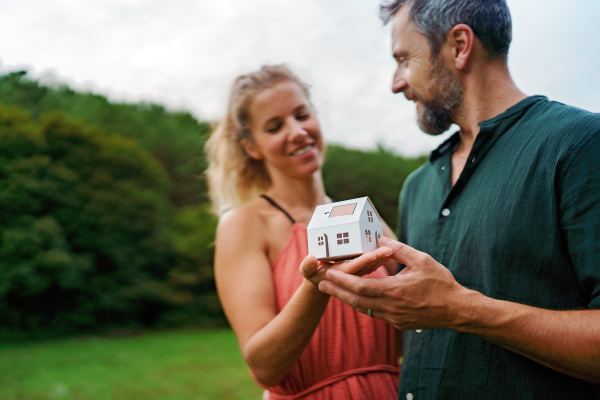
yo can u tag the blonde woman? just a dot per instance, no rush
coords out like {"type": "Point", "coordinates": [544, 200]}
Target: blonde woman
{"type": "Point", "coordinates": [265, 181]}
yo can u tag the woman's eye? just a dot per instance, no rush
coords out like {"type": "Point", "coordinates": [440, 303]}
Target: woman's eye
{"type": "Point", "coordinates": [273, 128]}
{"type": "Point", "coordinates": [303, 116]}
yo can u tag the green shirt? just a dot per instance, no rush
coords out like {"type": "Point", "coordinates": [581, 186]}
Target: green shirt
{"type": "Point", "coordinates": [522, 224]}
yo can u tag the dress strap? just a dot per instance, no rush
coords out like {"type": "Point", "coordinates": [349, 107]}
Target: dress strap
{"type": "Point", "coordinates": [274, 204]}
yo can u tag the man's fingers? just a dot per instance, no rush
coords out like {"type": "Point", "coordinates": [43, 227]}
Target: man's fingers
{"type": "Point", "coordinates": [361, 303]}
{"type": "Point", "coordinates": [363, 265]}
{"type": "Point", "coordinates": [360, 285]}
{"type": "Point", "coordinates": [367, 262]}
{"type": "Point", "coordinates": [403, 253]}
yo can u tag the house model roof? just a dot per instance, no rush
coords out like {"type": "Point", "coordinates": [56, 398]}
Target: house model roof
{"type": "Point", "coordinates": [341, 212]}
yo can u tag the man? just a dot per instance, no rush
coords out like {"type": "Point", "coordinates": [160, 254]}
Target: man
{"type": "Point", "coordinates": [499, 232]}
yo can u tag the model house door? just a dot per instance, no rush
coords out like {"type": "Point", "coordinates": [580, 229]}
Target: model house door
{"type": "Point", "coordinates": [324, 240]}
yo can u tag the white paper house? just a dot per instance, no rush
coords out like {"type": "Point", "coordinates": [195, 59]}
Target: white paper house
{"type": "Point", "coordinates": [344, 230]}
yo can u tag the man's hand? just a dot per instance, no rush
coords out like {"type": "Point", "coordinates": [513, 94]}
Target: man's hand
{"type": "Point", "coordinates": [424, 295]}
{"type": "Point", "coordinates": [314, 270]}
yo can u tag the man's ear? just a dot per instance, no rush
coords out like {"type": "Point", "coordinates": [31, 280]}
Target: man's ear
{"type": "Point", "coordinates": [461, 40]}
{"type": "Point", "coordinates": [251, 149]}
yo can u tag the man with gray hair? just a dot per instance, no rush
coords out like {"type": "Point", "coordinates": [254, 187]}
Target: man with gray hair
{"type": "Point", "coordinates": [499, 233]}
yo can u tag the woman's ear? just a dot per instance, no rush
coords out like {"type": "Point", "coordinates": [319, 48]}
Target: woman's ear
{"type": "Point", "coordinates": [251, 149]}
{"type": "Point", "coordinates": [461, 39]}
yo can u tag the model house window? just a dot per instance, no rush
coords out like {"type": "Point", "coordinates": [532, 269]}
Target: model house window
{"type": "Point", "coordinates": [370, 215]}
{"type": "Point", "coordinates": [338, 211]}
{"type": "Point", "coordinates": [343, 238]}
{"type": "Point", "coordinates": [320, 241]}
{"type": "Point", "coordinates": [368, 234]}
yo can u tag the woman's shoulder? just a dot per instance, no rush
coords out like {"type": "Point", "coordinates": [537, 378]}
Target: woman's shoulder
{"type": "Point", "coordinates": [247, 218]}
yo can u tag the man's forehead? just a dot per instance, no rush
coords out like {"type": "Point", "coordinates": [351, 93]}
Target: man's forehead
{"type": "Point", "coordinates": [403, 28]}
{"type": "Point", "coordinates": [402, 24]}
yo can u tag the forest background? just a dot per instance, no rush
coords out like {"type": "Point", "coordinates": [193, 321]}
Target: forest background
{"type": "Point", "coordinates": [104, 216]}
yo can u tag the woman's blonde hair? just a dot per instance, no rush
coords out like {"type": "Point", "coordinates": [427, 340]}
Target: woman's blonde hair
{"type": "Point", "coordinates": [234, 178]}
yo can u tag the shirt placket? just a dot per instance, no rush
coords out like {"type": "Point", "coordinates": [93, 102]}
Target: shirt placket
{"type": "Point", "coordinates": [446, 212]}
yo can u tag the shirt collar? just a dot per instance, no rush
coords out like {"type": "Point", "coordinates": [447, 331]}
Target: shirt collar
{"type": "Point", "coordinates": [491, 125]}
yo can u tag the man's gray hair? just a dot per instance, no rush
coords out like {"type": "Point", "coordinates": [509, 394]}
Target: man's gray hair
{"type": "Point", "coordinates": [489, 19]}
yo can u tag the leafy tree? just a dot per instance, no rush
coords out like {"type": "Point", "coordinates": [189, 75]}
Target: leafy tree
{"type": "Point", "coordinates": [191, 279]}
{"type": "Point", "coordinates": [83, 218]}
{"type": "Point", "coordinates": [175, 138]}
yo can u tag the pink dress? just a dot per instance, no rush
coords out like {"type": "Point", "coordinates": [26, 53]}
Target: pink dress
{"type": "Point", "coordinates": [350, 356]}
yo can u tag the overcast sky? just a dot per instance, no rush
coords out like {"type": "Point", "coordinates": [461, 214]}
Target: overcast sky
{"type": "Point", "coordinates": [185, 53]}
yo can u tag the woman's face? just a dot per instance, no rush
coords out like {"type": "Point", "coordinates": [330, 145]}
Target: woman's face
{"type": "Point", "coordinates": [285, 131]}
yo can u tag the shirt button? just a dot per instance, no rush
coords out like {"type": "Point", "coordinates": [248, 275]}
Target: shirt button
{"type": "Point", "coordinates": [419, 330]}
{"type": "Point", "coordinates": [445, 212]}
{"type": "Point", "coordinates": [409, 396]}
{"type": "Point", "coordinates": [472, 160]}
{"type": "Point", "coordinates": [443, 167]}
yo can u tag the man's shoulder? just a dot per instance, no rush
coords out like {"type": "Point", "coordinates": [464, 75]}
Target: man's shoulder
{"type": "Point", "coordinates": [558, 127]}
{"type": "Point", "coordinates": [560, 116]}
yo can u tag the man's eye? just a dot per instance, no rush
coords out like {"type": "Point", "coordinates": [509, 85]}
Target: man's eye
{"type": "Point", "coordinates": [303, 117]}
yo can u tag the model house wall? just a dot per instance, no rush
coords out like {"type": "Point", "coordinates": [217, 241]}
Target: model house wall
{"type": "Point", "coordinates": [344, 230]}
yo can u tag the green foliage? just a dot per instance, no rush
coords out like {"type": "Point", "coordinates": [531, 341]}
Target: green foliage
{"type": "Point", "coordinates": [175, 139]}
{"type": "Point", "coordinates": [379, 174]}
{"type": "Point", "coordinates": [83, 227]}
{"type": "Point", "coordinates": [191, 278]}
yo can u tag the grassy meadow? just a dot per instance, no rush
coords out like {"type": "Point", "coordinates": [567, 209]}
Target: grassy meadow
{"type": "Point", "coordinates": [177, 365]}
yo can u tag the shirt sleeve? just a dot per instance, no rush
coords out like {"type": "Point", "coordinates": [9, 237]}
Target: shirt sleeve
{"type": "Point", "coordinates": [580, 213]}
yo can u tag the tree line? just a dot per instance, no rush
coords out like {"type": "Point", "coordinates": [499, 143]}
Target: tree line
{"type": "Point", "coordinates": [104, 216]}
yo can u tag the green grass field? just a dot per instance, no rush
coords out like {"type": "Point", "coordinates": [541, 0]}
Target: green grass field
{"type": "Point", "coordinates": [181, 365]}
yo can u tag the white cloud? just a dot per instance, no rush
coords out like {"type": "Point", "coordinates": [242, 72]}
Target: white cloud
{"type": "Point", "coordinates": [185, 53]}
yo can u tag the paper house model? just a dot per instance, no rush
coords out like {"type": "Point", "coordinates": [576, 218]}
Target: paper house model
{"type": "Point", "coordinates": [344, 230]}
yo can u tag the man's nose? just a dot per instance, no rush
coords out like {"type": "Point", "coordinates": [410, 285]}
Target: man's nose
{"type": "Point", "coordinates": [398, 83]}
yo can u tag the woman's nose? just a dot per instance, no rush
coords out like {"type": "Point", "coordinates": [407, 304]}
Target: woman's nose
{"type": "Point", "coordinates": [297, 129]}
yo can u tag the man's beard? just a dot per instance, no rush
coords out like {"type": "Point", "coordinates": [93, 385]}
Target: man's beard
{"type": "Point", "coordinates": [435, 115]}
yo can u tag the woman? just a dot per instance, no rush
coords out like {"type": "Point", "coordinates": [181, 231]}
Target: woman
{"type": "Point", "coordinates": [265, 181]}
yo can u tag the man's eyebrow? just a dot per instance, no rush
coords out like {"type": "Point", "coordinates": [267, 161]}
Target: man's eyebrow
{"type": "Point", "coordinates": [399, 54]}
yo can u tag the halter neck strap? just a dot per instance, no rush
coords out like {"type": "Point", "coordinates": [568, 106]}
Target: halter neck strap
{"type": "Point", "coordinates": [274, 204]}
